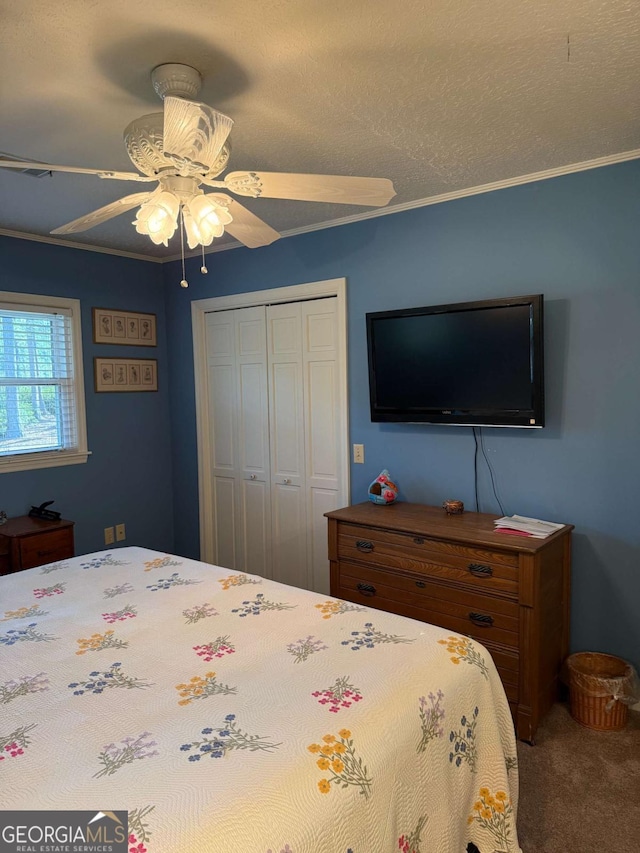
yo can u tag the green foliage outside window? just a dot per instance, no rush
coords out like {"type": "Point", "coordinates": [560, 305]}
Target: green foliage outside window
{"type": "Point", "coordinates": [28, 352]}
{"type": "Point", "coordinates": [34, 405]}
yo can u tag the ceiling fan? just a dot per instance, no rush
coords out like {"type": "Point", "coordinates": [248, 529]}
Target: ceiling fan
{"type": "Point", "coordinates": [184, 149]}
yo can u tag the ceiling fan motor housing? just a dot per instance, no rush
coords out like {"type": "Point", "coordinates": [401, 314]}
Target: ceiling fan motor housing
{"type": "Point", "coordinates": [143, 138]}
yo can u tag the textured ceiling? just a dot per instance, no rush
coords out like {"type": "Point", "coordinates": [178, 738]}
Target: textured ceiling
{"type": "Point", "coordinates": [439, 97]}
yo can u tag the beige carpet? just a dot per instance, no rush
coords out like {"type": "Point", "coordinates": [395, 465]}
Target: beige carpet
{"type": "Point", "coordinates": [579, 788]}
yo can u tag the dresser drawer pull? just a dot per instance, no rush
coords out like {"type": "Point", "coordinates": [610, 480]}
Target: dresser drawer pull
{"type": "Point", "coordinates": [364, 545]}
{"type": "Point", "coordinates": [481, 620]}
{"type": "Point", "coordinates": [418, 540]}
{"type": "Point", "coordinates": [366, 589]}
{"type": "Point", "coordinates": [421, 584]}
{"type": "Point", "coordinates": [46, 553]}
{"type": "Point", "coordinates": [480, 571]}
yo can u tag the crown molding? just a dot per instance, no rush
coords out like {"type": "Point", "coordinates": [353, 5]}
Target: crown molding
{"type": "Point", "coordinates": [479, 190]}
{"type": "Point", "coordinates": [69, 244]}
{"type": "Point", "coordinates": [544, 175]}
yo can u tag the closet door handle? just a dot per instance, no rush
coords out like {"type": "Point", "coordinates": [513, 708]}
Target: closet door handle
{"type": "Point", "coordinates": [286, 481]}
{"type": "Point", "coordinates": [364, 545]}
{"type": "Point", "coordinates": [479, 570]}
{"type": "Point", "coordinates": [482, 620]}
{"type": "Point", "coordinates": [252, 477]}
{"type": "Point", "coordinates": [366, 588]}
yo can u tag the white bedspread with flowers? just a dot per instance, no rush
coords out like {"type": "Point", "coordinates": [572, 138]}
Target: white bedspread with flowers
{"type": "Point", "coordinates": [231, 714]}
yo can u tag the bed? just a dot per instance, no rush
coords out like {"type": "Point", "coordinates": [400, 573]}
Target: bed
{"type": "Point", "coordinates": [227, 713]}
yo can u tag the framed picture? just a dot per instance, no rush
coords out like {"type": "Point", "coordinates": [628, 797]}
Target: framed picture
{"type": "Point", "coordinates": [111, 326]}
{"type": "Point", "coordinates": [125, 374]}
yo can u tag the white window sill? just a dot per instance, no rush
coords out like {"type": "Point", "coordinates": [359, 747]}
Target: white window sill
{"type": "Point", "coordinates": [30, 461]}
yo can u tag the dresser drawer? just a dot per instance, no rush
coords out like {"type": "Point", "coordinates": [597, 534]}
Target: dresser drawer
{"type": "Point", "coordinates": [507, 663]}
{"type": "Point", "coordinates": [476, 568]}
{"type": "Point", "coordinates": [46, 547]}
{"type": "Point", "coordinates": [416, 561]}
{"type": "Point", "coordinates": [511, 690]}
{"type": "Point", "coordinates": [482, 617]}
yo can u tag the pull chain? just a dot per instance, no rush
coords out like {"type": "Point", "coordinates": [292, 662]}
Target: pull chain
{"type": "Point", "coordinates": [184, 282]}
{"type": "Point", "coordinates": [203, 268]}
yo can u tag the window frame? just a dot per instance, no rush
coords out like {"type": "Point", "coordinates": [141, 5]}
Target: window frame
{"type": "Point", "coordinates": [79, 453]}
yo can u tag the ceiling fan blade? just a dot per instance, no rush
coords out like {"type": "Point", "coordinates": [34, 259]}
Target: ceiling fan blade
{"type": "Point", "coordinates": [193, 133]}
{"type": "Point", "coordinates": [248, 228]}
{"type": "Point", "coordinates": [96, 217]}
{"type": "Point", "coordinates": [339, 189]}
{"type": "Point", "coordinates": [48, 167]}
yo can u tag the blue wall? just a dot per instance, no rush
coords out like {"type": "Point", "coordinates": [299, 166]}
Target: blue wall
{"type": "Point", "coordinates": [128, 475]}
{"type": "Point", "coordinates": [574, 239]}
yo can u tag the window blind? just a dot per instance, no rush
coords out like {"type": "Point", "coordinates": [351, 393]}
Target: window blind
{"type": "Point", "coordinates": [38, 406]}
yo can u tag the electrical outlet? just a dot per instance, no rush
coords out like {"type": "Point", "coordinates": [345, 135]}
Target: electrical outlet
{"type": "Point", "coordinates": [108, 536]}
{"type": "Point", "coordinates": [358, 454]}
{"type": "Point", "coordinates": [120, 532]}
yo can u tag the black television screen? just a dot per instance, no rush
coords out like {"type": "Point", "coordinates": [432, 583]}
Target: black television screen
{"type": "Point", "coordinates": [474, 363]}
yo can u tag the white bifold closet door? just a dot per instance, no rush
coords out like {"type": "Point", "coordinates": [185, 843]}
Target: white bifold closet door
{"type": "Point", "coordinates": [239, 429]}
{"type": "Point", "coordinates": [274, 415]}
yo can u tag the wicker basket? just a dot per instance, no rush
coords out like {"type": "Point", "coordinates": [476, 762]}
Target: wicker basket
{"type": "Point", "coordinates": [594, 681]}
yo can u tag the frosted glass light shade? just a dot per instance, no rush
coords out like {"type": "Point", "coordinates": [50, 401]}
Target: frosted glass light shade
{"type": "Point", "coordinates": [191, 229]}
{"type": "Point", "coordinates": [158, 218]}
{"type": "Point", "coordinates": [206, 220]}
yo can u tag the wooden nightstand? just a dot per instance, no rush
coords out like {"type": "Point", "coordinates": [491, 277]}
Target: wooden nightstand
{"type": "Point", "coordinates": [27, 542]}
{"type": "Point", "coordinates": [511, 593]}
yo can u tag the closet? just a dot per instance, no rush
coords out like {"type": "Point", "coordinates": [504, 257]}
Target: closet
{"type": "Point", "coordinates": [275, 411]}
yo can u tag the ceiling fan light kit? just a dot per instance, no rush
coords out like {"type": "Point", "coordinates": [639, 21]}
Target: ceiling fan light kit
{"type": "Point", "coordinates": [158, 217]}
{"type": "Point", "coordinates": [185, 147]}
{"type": "Point", "coordinates": [205, 217]}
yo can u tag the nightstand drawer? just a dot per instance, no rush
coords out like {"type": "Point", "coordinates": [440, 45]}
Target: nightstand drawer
{"type": "Point", "coordinates": [483, 617]}
{"type": "Point", "coordinates": [477, 568]}
{"type": "Point", "coordinates": [46, 547]}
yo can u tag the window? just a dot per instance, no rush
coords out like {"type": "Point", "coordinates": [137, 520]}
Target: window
{"type": "Point", "coordinates": [42, 415]}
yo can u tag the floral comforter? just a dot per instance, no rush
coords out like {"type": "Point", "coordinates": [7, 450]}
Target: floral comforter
{"type": "Point", "coordinates": [231, 714]}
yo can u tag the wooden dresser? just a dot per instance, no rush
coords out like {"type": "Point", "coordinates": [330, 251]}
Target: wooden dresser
{"type": "Point", "coordinates": [511, 593]}
{"type": "Point", "coordinates": [27, 542]}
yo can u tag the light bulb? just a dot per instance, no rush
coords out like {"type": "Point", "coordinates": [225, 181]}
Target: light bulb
{"type": "Point", "coordinates": [210, 215]}
{"type": "Point", "coordinates": [192, 231]}
{"type": "Point", "coordinates": [158, 217]}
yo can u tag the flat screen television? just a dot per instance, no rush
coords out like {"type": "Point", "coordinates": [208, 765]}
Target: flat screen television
{"type": "Point", "coordinates": [468, 364]}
